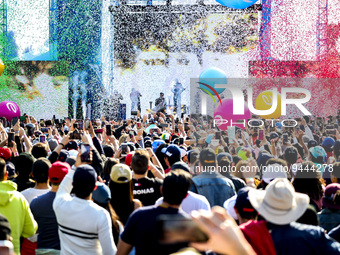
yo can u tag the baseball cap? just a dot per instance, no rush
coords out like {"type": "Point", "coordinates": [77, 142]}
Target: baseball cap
{"type": "Point", "coordinates": [183, 152]}
{"type": "Point", "coordinates": [242, 203]}
{"type": "Point", "coordinates": [318, 151]}
{"type": "Point", "coordinates": [101, 194]}
{"type": "Point", "coordinates": [63, 155]}
{"type": "Point", "coordinates": [57, 171]}
{"type": "Point", "coordinates": [166, 137]}
{"type": "Point", "coordinates": [222, 155]}
{"type": "Point", "coordinates": [328, 143]}
{"type": "Point", "coordinates": [10, 168]}
{"type": "Point", "coordinates": [263, 158]}
{"type": "Point", "coordinates": [330, 191]}
{"type": "Point", "coordinates": [172, 151]}
{"type": "Point", "coordinates": [313, 143]}
{"type": "Point", "coordinates": [291, 154]}
{"type": "Point", "coordinates": [121, 173]}
{"type": "Point", "coordinates": [207, 157]}
{"type": "Point", "coordinates": [5, 153]}
{"type": "Point", "coordinates": [84, 180]}
{"type": "Point", "coordinates": [273, 135]}
{"type": "Point", "coordinates": [71, 160]}
{"type": "Point", "coordinates": [128, 158]}
{"type": "Point", "coordinates": [72, 145]}
{"type": "Point", "coordinates": [180, 165]}
{"type": "Point", "coordinates": [156, 143]}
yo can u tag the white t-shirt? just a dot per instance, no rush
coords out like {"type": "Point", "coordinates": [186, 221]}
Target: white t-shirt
{"type": "Point", "coordinates": [32, 193]}
{"type": "Point", "coordinates": [192, 202]}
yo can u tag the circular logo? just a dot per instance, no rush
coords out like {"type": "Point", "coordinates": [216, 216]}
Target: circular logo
{"type": "Point", "coordinates": [11, 107]}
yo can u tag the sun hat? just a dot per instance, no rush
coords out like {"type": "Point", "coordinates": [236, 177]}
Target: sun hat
{"type": "Point", "coordinates": [279, 203]}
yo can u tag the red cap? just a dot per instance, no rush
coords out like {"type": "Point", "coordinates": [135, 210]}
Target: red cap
{"type": "Point", "coordinates": [128, 158]}
{"type": "Point", "coordinates": [57, 171]}
{"type": "Point", "coordinates": [5, 153]}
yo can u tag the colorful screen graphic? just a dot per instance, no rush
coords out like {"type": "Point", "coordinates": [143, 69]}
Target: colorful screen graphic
{"type": "Point", "coordinates": [40, 88]}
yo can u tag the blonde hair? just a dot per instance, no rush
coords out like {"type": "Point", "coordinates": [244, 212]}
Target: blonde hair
{"type": "Point", "coordinates": [122, 139]}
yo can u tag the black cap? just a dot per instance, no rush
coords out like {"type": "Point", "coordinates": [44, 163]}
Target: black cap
{"type": "Point", "coordinates": [84, 180]}
{"type": "Point", "coordinates": [291, 154]}
{"type": "Point", "coordinates": [242, 203]}
{"type": "Point", "coordinates": [312, 143]}
{"type": "Point", "coordinates": [207, 157]}
{"type": "Point", "coordinates": [273, 135]}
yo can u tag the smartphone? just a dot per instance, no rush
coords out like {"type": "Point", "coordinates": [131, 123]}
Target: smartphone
{"type": "Point", "coordinates": [131, 134]}
{"type": "Point", "coordinates": [218, 135]}
{"type": "Point", "coordinates": [181, 140]}
{"type": "Point", "coordinates": [149, 116]}
{"type": "Point", "coordinates": [86, 155]}
{"type": "Point", "coordinates": [174, 228]}
{"type": "Point", "coordinates": [87, 124]}
{"type": "Point", "coordinates": [124, 149]}
{"type": "Point", "coordinates": [14, 121]}
{"type": "Point", "coordinates": [285, 138]}
{"type": "Point", "coordinates": [138, 124]}
{"type": "Point", "coordinates": [336, 126]}
{"type": "Point", "coordinates": [10, 138]}
{"type": "Point", "coordinates": [329, 127]}
{"type": "Point", "coordinates": [176, 129]}
{"type": "Point", "coordinates": [116, 126]}
{"type": "Point", "coordinates": [44, 129]}
{"type": "Point", "coordinates": [22, 118]}
{"type": "Point", "coordinates": [165, 125]}
{"type": "Point", "coordinates": [42, 138]}
{"type": "Point", "coordinates": [231, 134]}
{"type": "Point", "coordinates": [108, 130]}
{"type": "Point", "coordinates": [80, 124]}
{"type": "Point", "coordinates": [261, 134]}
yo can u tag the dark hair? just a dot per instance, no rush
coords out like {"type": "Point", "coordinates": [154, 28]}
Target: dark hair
{"type": "Point", "coordinates": [2, 169]}
{"type": "Point", "coordinates": [39, 150]}
{"type": "Point", "coordinates": [114, 218]}
{"type": "Point", "coordinates": [140, 162]}
{"type": "Point", "coordinates": [224, 162]}
{"type": "Point", "coordinates": [193, 157]}
{"type": "Point", "coordinates": [172, 160]}
{"type": "Point", "coordinates": [309, 182]}
{"type": "Point", "coordinates": [175, 186]}
{"type": "Point", "coordinates": [160, 154]}
{"type": "Point", "coordinates": [109, 163]}
{"type": "Point", "coordinates": [40, 170]}
{"type": "Point", "coordinates": [122, 199]}
{"type": "Point", "coordinates": [83, 192]}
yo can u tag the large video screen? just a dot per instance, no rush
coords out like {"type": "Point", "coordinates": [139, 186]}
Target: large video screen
{"type": "Point", "coordinates": [156, 51]}
{"type": "Point", "coordinates": [40, 88]}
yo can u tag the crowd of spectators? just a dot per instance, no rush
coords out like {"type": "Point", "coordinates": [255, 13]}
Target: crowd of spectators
{"type": "Point", "coordinates": [119, 186]}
